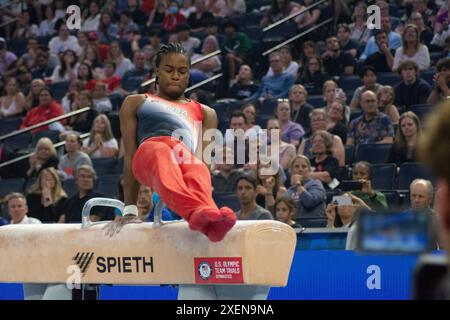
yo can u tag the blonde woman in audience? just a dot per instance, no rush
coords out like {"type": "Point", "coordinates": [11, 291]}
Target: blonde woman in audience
{"type": "Point", "coordinates": [287, 150]}
{"type": "Point", "coordinates": [13, 102]}
{"type": "Point", "coordinates": [406, 140]}
{"type": "Point", "coordinates": [32, 99]}
{"type": "Point", "coordinates": [386, 97]}
{"type": "Point", "coordinates": [115, 55]}
{"type": "Point", "coordinates": [46, 197]}
{"type": "Point", "coordinates": [44, 156]}
{"type": "Point", "coordinates": [412, 49]}
{"type": "Point", "coordinates": [101, 143]}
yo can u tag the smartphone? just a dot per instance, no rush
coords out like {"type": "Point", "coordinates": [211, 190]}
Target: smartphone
{"type": "Point", "coordinates": [342, 200]}
{"type": "Point", "coordinates": [338, 93]}
{"type": "Point", "coordinates": [350, 185]}
{"type": "Point", "coordinates": [394, 232]}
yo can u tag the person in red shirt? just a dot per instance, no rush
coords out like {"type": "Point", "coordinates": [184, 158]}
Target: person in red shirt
{"type": "Point", "coordinates": [173, 17]}
{"type": "Point", "coordinates": [46, 110]}
{"type": "Point", "coordinates": [110, 79]}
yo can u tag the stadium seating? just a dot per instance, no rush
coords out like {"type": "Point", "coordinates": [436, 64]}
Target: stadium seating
{"type": "Point", "coordinates": [410, 171]}
{"type": "Point", "coordinates": [11, 185]}
{"type": "Point", "coordinates": [316, 101]}
{"type": "Point", "coordinates": [70, 187]}
{"type": "Point", "coordinates": [349, 83]}
{"type": "Point", "coordinates": [307, 222]}
{"type": "Point", "coordinates": [59, 89]}
{"type": "Point", "coordinates": [108, 185]}
{"type": "Point", "coordinates": [383, 176]}
{"type": "Point", "coordinates": [52, 135]}
{"type": "Point", "coordinates": [421, 110]}
{"type": "Point", "coordinates": [8, 125]}
{"type": "Point", "coordinates": [349, 154]}
{"type": "Point", "coordinates": [105, 166]}
{"type": "Point", "coordinates": [373, 153]}
{"type": "Point", "coordinates": [227, 199]}
{"type": "Point", "coordinates": [21, 141]}
{"type": "Point", "coordinates": [392, 198]}
{"type": "Point", "coordinates": [388, 78]}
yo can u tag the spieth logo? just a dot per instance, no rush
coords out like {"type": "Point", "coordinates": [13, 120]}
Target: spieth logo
{"type": "Point", "coordinates": [204, 270]}
{"type": "Point", "coordinates": [83, 261]}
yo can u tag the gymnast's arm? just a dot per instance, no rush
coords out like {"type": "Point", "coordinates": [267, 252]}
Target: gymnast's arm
{"type": "Point", "coordinates": [128, 129]}
{"type": "Point", "coordinates": [209, 122]}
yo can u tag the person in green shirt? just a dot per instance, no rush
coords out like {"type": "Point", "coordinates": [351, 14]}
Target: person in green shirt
{"type": "Point", "coordinates": [362, 171]}
{"type": "Point", "coordinates": [236, 47]}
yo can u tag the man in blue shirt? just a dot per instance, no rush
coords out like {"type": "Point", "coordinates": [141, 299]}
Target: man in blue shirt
{"type": "Point", "coordinates": [276, 86]}
{"type": "Point", "coordinates": [395, 40]}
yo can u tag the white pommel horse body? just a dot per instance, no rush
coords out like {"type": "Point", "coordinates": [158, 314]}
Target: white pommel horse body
{"type": "Point", "coordinates": [252, 253]}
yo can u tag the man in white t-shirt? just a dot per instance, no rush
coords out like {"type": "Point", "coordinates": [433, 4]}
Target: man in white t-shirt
{"type": "Point", "coordinates": [64, 41]}
{"type": "Point", "coordinates": [18, 209]}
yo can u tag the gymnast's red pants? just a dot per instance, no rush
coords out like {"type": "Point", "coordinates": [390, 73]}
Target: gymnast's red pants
{"type": "Point", "coordinates": [184, 187]}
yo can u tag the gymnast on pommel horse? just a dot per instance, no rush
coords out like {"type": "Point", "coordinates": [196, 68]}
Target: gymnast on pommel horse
{"type": "Point", "coordinates": [148, 123]}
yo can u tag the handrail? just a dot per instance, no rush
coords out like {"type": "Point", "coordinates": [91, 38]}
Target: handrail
{"type": "Point", "coordinates": [8, 4]}
{"type": "Point", "coordinates": [44, 123]}
{"type": "Point", "coordinates": [278, 46]}
{"type": "Point", "coordinates": [295, 14]}
{"type": "Point", "coordinates": [8, 22]}
{"type": "Point", "coordinates": [199, 84]}
{"type": "Point", "coordinates": [209, 55]}
{"type": "Point", "coordinates": [26, 156]}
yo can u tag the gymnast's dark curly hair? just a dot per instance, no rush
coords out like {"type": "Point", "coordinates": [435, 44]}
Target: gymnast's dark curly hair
{"type": "Point", "coordinates": [165, 49]}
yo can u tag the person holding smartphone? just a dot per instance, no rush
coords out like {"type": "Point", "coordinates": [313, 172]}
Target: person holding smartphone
{"type": "Point", "coordinates": [441, 86]}
{"type": "Point", "coordinates": [340, 215]}
{"type": "Point", "coordinates": [362, 172]}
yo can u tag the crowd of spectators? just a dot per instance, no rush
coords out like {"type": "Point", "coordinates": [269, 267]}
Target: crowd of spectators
{"type": "Point", "coordinates": [336, 89]}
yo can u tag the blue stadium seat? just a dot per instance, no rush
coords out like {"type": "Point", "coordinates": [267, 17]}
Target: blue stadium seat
{"type": "Point", "coordinates": [349, 83]}
{"type": "Point", "coordinates": [105, 166]}
{"type": "Point", "coordinates": [383, 176]}
{"type": "Point", "coordinates": [59, 89]}
{"type": "Point", "coordinates": [253, 31]}
{"type": "Point", "coordinates": [21, 141]}
{"type": "Point", "coordinates": [410, 171]}
{"type": "Point", "coordinates": [344, 173]}
{"type": "Point", "coordinates": [434, 57]}
{"type": "Point", "coordinates": [52, 135]}
{"type": "Point", "coordinates": [228, 199]}
{"type": "Point", "coordinates": [70, 187]}
{"type": "Point", "coordinates": [373, 153]}
{"type": "Point", "coordinates": [308, 222]}
{"type": "Point", "coordinates": [421, 110]}
{"type": "Point", "coordinates": [389, 78]}
{"type": "Point", "coordinates": [120, 165]}
{"type": "Point", "coordinates": [8, 125]}
{"type": "Point", "coordinates": [108, 185]}
{"type": "Point", "coordinates": [428, 75]}
{"type": "Point", "coordinates": [349, 155]}
{"type": "Point", "coordinates": [116, 101]}
{"type": "Point", "coordinates": [392, 198]}
{"type": "Point", "coordinates": [11, 185]}
{"type": "Point", "coordinates": [316, 101]}
{"type": "Point", "coordinates": [280, 32]}
{"type": "Point", "coordinates": [268, 108]}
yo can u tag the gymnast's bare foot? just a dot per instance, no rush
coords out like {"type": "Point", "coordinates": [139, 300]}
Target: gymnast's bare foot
{"type": "Point", "coordinates": [115, 226]}
{"type": "Point", "coordinates": [212, 222]}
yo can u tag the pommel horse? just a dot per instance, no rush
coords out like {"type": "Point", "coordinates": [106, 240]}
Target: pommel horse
{"type": "Point", "coordinates": [254, 253]}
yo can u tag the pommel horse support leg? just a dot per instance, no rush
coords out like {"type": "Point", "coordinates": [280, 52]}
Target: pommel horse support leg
{"type": "Point", "coordinates": [255, 253]}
